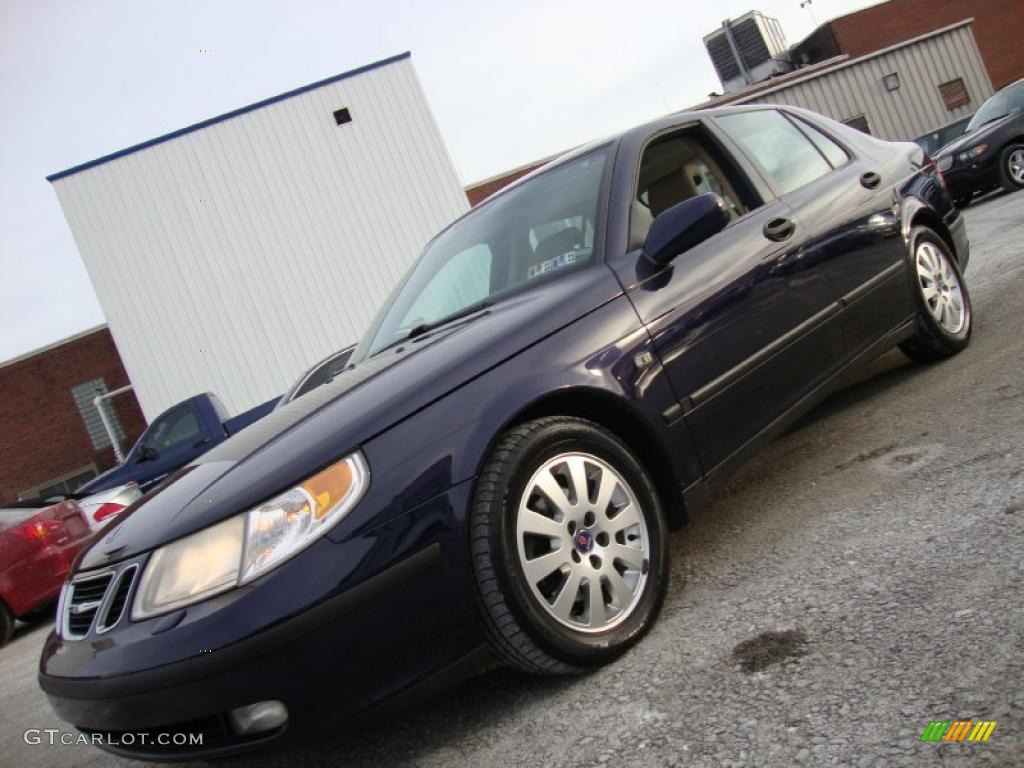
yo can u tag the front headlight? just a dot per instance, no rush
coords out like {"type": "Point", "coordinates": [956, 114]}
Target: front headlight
{"type": "Point", "coordinates": [972, 153]}
{"type": "Point", "coordinates": [292, 521]}
{"type": "Point", "coordinates": [944, 163]}
{"type": "Point", "coordinates": [246, 546]}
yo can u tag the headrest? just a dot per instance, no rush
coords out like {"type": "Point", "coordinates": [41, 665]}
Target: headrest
{"type": "Point", "coordinates": [669, 190]}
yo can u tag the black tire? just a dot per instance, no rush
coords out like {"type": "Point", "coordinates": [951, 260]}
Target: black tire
{"type": "Point", "coordinates": [46, 612]}
{"type": "Point", "coordinates": [6, 623]}
{"type": "Point", "coordinates": [1006, 174]}
{"type": "Point", "coordinates": [932, 341]}
{"type": "Point", "coordinates": [520, 630]}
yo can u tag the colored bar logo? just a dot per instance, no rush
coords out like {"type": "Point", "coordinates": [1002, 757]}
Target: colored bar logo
{"type": "Point", "coordinates": [958, 730]}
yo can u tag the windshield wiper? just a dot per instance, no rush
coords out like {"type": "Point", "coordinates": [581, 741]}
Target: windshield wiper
{"type": "Point", "coordinates": [422, 328]}
{"type": "Point", "coordinates": [986, 122]}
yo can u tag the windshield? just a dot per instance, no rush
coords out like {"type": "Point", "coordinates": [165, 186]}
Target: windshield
{"type": "Point", "coordinates": [538, 231]}
{"type": "Point", "coordinates": [936, 140]}
{"type": "Point", "coordinates": [1002, 103]}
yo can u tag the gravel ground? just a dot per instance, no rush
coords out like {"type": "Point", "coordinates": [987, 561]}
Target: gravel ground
{"type": "Point", "coordinates": [859, 578]}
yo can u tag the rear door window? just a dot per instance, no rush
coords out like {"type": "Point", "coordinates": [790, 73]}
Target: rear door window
{"type": "Point", "coordinates": [787, 156]}
{"type": "Point", "coordinates": [835, 154]}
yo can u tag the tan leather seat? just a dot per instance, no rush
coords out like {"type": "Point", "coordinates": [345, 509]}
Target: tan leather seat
{"type": "Point", "coordinates": [669, 190]}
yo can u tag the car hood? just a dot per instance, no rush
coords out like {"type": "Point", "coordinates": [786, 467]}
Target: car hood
{"type": "Point", "coordinates": [296, 440]}
{"type": "Point", "coordinates": [969, 140]}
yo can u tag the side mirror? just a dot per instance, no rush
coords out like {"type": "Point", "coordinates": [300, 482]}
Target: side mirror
{"type": "Point", "coordinates": [146, 453]}
{"type": "Point", "coordinates": [685, 225]}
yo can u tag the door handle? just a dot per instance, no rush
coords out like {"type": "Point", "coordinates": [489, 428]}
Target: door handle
{"type": "Point", "coordinates": [779, 229]}
{"type": "Point", "coordinates": [870, 180]}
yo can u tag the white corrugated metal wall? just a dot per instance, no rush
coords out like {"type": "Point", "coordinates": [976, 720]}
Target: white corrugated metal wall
{"type": "Point", "coordinates": [232, 257]}
{"type": "Point", "coordinates": [858, 87]}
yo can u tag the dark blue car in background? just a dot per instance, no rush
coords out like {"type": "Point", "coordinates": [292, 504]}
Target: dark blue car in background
{"type": "Point", "coordinates": [990, 153]}
{"type": "Point", "coordinates": [566, 373]}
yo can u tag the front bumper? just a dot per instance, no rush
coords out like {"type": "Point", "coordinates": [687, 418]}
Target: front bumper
{"type": "Point", "coordinates": [979, 175]}
{"type": "Point", "coordinates": [363, 646]}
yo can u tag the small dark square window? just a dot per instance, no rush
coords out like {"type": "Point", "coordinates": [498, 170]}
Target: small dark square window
{"type": "Point", "coordinates": [341, 116]}
{"type": "Point", "coordinates": [954, 94]}
{"type": "Point", "coordinates": [859, 122]}
{"type": "Point", "coordinates": [892, 81]}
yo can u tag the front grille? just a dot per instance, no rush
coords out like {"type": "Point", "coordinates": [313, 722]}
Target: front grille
{"type": "Point", "coordinates": [118, 599]}
{"type": "Point", "coordinates": [84, 600]}
{"type": "Point", "coordinates": [96, 601]}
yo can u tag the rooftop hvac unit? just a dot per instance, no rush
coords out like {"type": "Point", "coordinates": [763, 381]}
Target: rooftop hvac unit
{"type": "Point", "coordinates": [747, 50]}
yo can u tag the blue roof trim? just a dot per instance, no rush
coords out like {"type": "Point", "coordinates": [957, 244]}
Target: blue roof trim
{"type": "Point", "coordinates": [226, 116]}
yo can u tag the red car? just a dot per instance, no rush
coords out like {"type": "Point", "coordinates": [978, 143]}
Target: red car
{"type": "Point", "coordinates": [39, 540]}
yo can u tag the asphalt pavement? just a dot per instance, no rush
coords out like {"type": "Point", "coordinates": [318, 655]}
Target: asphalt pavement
{"type": "Point", "coordinates": [859, 578]}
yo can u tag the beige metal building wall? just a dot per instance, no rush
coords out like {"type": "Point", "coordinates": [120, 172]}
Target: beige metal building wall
{"type": "Point", "coordinates": [232, 255]}
{"type": "Point", "coordinates": [857, 86]}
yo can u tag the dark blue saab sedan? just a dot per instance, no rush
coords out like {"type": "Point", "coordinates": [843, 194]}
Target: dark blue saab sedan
{"type": "Point", "coordinates": [565, 374]}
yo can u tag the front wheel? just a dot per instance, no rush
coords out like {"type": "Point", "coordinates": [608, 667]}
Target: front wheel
{"type": "Point", "coordinates": [569, 547]}
{"type": "Point", "coordinates": [944, 316]}
{"type": "Point", "coordinates": [1011, 167]}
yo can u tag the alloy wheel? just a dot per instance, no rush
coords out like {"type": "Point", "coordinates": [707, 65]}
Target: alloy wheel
{"type": "Point", "coordinates": [583, 543]}
{"type": "Point", "coordinates": [1015, 165]}
{"type": "Point", "coordinates": [940, 287]}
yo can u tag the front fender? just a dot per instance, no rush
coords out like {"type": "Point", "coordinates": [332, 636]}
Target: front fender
{"type": "Point", "coordinates": [606, 353]}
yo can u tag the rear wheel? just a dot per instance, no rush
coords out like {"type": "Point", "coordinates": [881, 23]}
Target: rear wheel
{"type": "Point", "coordinates": [1011, 167]}
{"type": "Point", "coordinates": [569, 547]}
{"type": "Point", "coordinates": [6, 624]}
{"type": "Point", "coordinates": [944, 316]}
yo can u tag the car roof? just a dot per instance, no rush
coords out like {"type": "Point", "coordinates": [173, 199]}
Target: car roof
{"type": "Point", "coordinates": [646, 128]}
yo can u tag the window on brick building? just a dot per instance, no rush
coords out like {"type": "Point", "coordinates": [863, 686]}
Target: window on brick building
{"type": "Point", "coordinates": [954, 94]}
{"type": "Point", "coordinates": [62, 485]}
{"type": "Point", "coordinates": [84, 394]}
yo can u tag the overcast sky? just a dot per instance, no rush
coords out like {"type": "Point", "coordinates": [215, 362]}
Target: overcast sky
{"type": "Point", "coordinates": [508, 82]}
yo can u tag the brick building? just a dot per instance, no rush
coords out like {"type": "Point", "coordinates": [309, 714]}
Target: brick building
{"type": "Point", "coordinates": [51, 436]}
{"type": "Point", "coordinates": [484, 188]}
{"type": "Point", "coordinates": [997, 30]}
